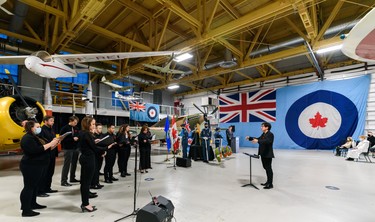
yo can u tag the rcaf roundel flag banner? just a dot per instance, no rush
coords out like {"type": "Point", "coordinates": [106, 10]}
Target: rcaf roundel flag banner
{"type": "Point", "coordinates": [314, 116]}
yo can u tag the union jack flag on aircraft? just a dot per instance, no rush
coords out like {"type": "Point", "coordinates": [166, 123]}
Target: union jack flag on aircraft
{"type": "Point", "coordinates": [259, 106]}
{"type": "Point", "coordinates": [137, 106]}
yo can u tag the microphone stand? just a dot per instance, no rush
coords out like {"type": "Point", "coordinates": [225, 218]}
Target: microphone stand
{"type": "Point", "coordinates": [135, 211]}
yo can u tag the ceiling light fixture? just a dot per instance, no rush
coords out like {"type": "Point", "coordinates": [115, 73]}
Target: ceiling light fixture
{"type": "Point", "coordinates": [183, 57]}
{"type": "Point", "coordinates": [329, 49]}
{"type": "Point", "coordinates": [173, 87]}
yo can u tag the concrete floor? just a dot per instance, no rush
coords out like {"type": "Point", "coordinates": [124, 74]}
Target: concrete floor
{"type": "Point", "coordinates": [213, 192]}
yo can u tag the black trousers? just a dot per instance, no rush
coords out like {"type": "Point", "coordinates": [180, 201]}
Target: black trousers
{"type": "Point", "coordinates": [267, 165]}
{"type": "Point", "coordinates": [50, 172]}
{"type": "Point", "coordinates": [95, 178]}
{"type": "Point", "coordinates": [110, 160]}
{"type": "Point", "coordinates": [144, 158]}
{"type": "Point", "coordinates": [87, 173]}
{"type": "Point", "coordinates": [32, 176]}
{"type": "Point", "coordinates": [123, 157]}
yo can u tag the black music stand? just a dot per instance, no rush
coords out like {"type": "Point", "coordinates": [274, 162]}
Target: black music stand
{"type": "Point", "coordinates": [174, 161]}
{"type": "Point", "coordinates": [251, 156]}
{"type": "Point", "coordinates": [135, 211]}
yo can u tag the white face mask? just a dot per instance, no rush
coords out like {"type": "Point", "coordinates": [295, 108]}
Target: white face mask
{"type": "Point", "coordinates": [38, 130]}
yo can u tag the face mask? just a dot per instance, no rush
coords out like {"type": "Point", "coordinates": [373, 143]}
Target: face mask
{"type": "Point", "coordinates": [369, 135]}
{"type": "Point", "coordinates": [38, 130]}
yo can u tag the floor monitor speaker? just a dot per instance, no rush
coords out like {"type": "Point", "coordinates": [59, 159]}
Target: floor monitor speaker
{"type": "Point", "coordinates": [160, 209]}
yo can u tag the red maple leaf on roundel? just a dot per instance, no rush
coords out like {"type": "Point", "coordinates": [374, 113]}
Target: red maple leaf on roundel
{"type": "Point", "coordinates": [318, 121]}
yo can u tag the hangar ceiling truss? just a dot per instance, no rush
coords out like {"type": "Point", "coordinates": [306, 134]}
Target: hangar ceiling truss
{"type": "Point", "coordinates": [261, 37]}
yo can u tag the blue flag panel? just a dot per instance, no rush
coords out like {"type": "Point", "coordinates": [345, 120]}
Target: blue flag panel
{"type": "Point", "coordinates": [314, 116]}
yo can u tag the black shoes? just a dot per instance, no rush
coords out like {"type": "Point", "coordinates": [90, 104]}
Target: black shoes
{"type": "Point", "coordinates": [38, 206]}
{"type": "Point", "coordinates": [108, 181]}
{"type": "Point", "coordinates": [96, 187]}
{"type": "Point", "coordinates": [66, 184]}
{"type": "Point", "coordinates": [268, 186]}
{"type": "Point", "coordinates": [264, 184]}
{"type": "Point", "coordinates": [93, 195]}
{"type": "Point", "coordinates": [123, 174]}
{"type": "Point", "coordinates": [84, 209]}
{"type": "Point", "coordinates": [51, 191]}
{"type": "Point", "coordinates": [43, 195]}
{"type": "Point", "coordinates": [29, 213]}
{"type": "Point", "coordinates": [127, 174]}
{"type": "Point", "coordinates": [114, 179]}
{"type": "Point", "coordinates": [74, 180]}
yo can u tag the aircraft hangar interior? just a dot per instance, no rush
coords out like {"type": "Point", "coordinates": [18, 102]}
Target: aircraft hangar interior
{"type": "Point", "coordinates": [179, 110]}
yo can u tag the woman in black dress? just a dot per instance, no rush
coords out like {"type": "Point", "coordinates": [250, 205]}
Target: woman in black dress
{"type": "Point", "coordinates": [123, 140]}
{"type": "Point", "coordinates": [144, 150]}
{"type": "Point", "coordinates": [33, 166]}
{"type": "Point", "coordinates": [87, 161]}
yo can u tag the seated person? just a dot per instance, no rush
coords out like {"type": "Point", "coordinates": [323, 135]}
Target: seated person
{"type": "Point", "coordinates": [348, 144]}
{"type": "Point", "coordinates": [362, 147]}
{"type": "Point", "coordinates": [371, 139]}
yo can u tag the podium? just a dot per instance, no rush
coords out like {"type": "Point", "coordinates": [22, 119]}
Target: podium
{"type": "Point", "coordinates": [251, 156]}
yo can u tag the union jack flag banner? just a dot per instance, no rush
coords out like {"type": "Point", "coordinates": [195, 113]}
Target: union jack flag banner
{"type": "Point", "coordinates": [258, 106]}
{"type": "Point", "coordinates": [137, 106]}
{"type": "Point", "coordinates": [144, 112]}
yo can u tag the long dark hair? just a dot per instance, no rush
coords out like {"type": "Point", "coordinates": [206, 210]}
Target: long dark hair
{"type": "Point", "coordinates": [28, 128]}
{"type": "Point", "coordinates": [29, 125]}
{"type": "Point", "coordinates": [86, 122]}
{"type": "Point", "coordinates": [122, 130]}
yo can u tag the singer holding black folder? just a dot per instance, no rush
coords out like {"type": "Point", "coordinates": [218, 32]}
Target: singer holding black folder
{"type": "Point", "coordinates": [266, 152]}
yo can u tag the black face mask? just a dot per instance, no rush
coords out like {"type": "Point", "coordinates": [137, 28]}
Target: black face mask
{"type": "Point", "coordinates": [369, 135]}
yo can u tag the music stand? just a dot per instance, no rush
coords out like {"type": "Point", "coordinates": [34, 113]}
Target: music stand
{"type": "Point", "coordinates": [251, 156]}
{"type": "Point", "coordinates": [174, 161]}
{"type": "Point", "coordinates": [135, 211]}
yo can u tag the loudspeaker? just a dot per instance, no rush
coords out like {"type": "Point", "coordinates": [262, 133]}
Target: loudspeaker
{"type": "Point", "coordinates": [162, 211]}
{"type": "Point", "coordinates": [183, 162]}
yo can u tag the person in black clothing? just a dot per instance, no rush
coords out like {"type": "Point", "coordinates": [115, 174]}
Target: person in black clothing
{"type": "Point", "coordinates": [101, 150]}
{"type": "Point", "coordinates": [229, 133]}
{"type": "Point", "coordinates": [99, 135]}
{"type": "Point", "coordinates": [144, 150]}
{"type": "Point", "coordinates": [71, 152]}
{"type": "Point", "coordinates": [266, 152]}
{"type": "Point", "coordinates": [123, 141]}
{"type": "Point", "coordinates": [33, 166]}
{"type": "Point", "coordinates": [48, 134]}
{"type": "Point", "coordinates": [110, 157]}
{"type": "Point", "coordinates": [87, 160]}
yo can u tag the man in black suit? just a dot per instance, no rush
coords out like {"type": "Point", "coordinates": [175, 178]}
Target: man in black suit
{"type": "Point", "coordinates": [48, 134]}
{"type": "Point", "coordinates": [266, 152]}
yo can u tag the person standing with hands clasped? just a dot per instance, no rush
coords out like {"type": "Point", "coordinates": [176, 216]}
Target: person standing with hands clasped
{"type": "Point", "coordinates": [266, 152]}
{"type": "Point", "coordinates": [33, 165]}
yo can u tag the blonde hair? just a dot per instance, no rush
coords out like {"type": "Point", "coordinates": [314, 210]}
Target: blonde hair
{"type": "Point", "coordinates": [362, 137]}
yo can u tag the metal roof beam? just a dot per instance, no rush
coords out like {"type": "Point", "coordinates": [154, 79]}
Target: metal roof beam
{"type": "Point", "coordinates": [288, 53]}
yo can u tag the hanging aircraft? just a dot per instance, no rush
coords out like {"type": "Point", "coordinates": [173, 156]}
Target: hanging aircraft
{"type": "Point", "coordinates": [359, 44]}
{"type": "Point", "coordinates": [165, 69]}
{"type": "Point", "coordinates": [127, 98]}
{"type": "Point", "coordinates": [54, 66]}
{"type": "Point", "coordinates": [115, 86]}
{"type": "Point", "coordinates": [14, 110]}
